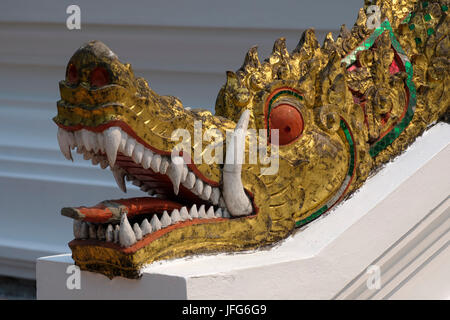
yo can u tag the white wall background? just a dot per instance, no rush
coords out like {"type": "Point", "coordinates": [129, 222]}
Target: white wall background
{"type": "Point", "coordinates": [182, 47]}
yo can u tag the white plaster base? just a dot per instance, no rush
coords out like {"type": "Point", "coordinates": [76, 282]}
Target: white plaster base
{"type": "Point", "coordinates": [399, 220]}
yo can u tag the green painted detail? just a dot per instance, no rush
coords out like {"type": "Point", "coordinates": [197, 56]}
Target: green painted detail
{"type": "Point", "coordinates": [407, 19]}
{"type": "Point", "coordinates": [427, 17]}
{"type": "Point", "coordinates": [424, 4]}
{"type": "Point", "coordinates": [418, 40]}
{"type": "Point", "coordinates": [350, 173]}
{"type": "Point", "coordinates": [411, 27]}
{"type": "Point", "coordinates": [444, 8]}
{"type": "Point", "coordinates": [430, 31]}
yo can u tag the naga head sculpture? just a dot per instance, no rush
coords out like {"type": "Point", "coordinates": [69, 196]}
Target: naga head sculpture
{"type": "Point", "coordinates": [290, 138]}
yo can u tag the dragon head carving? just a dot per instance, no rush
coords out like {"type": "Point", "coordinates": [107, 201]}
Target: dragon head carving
{"type": "Point", "coordinates": [291, 137]}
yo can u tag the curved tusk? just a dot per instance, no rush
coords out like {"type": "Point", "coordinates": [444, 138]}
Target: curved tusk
{"type": "Point", "coordinates": [238, 204]}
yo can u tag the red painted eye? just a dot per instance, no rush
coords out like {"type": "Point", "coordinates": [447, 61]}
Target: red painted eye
{"type": "Point", "coordinates": [288, 120]}
{"type": "Point", "coordinates": [99, 77]}
{"type": "Point", "coordinates": [72, 74]}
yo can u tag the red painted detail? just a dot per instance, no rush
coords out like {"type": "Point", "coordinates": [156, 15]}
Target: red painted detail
{"type": "Point", "coordinates": [99, 77]}
{"type": "Point", "coordinates": [72, 74]}
{"type": "Point", "coordinates": [288, 120]}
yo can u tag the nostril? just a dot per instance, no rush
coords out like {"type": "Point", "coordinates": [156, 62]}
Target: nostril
{"type": "Point", "coordinates": [72, 74]}
{"type": "Point", "coordinates": [99, 77]}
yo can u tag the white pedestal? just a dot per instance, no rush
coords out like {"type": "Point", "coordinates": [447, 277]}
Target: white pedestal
{"type": "Point", "coordinates": [397, 221]}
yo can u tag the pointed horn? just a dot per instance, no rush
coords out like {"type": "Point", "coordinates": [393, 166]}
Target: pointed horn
{"type": "Point", "coordinates": [308, 43]}
{"type": "Point", "coordinates": [280, 47]}
{"type": "Point", "coordinates": [237, 201]}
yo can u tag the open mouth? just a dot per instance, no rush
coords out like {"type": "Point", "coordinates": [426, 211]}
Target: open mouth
{"type": "Point", "coordinates": [178, 194]}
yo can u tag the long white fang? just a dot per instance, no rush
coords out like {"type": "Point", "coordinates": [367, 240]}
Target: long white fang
{"type": "Point", "coordinates": [174, 172]}
{"type": "Point", "coordinates": [156, 224]}
{"type": "Point", "coordinates": [184, 214]}
{"type": "Point", "coordinates": [119, 176]}
{"type": "Point", "coordinates": [101, 142]}
{"type": "Point", "coordinates": [137, 231]}
{"type": "Point", "coordinates": [66, 141]}
{"type": "Point", "coordinates": [175, 216]}
{"type": "Point", "coordinates": [218, 213]}
{"type": "Point", "coordinates": [77, 229]}
{"type": "Point", "coordinates": [126, 233]}
{"type": "Point", "coordinates": [92, 231]}
{"type": "Point", "coordinates": [237, 201]}
{"type": "Point", "coordinates": [146, 227]}
{"type": "Point", "coordinates": [165, 220]}
{"type": "Point", "coordinates": [84, 231]}
{"type": "Point", "coordinates": [112, 137]}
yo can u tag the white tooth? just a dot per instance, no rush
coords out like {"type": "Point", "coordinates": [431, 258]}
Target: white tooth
{"type": "Point", "coordinates": [84, 230]}
{"type": "Point", "coordinates": [202, 212]}
{"type": "Point", "coordinates": [89, 140]}
{"type": "Point", "coordinates": [116, 234]}
{"type": "Point", "coordinates": [165, 220]}
{"type": "Point", "coordinates": [164, 165]}
{"type": "Point", "coordinates": [112, 137]}
{"type": "Point", "coordinates": [156, 162]}
{"type": "Point", "coordinates": [147, 159]}
{"type": "Point", "coordinates": [77, 229]}
{"type": "Point", "coordinates": [104, 163]}
{"type": "Point", "coordinates": [156, 224]}
{"type": "Point", "coordinates": [101, 235]}
{"type": "Point", "coordinates": [233, 191]}
{"type": "Point", "coordinates": [174, 172]}
{"type": "Point", "coordinates": [184, 214]}
{"type": "Point", "coordinates": [210, 213]}
{"type": "Point", "coordinates": [78, 138]}
{"type": "Point", "coordinates": [184, 173]}
{"type": "Point", "coordinates": [109, 233]}
{"type": "Point", "coordinates": [123, 141]}
{"type": "Point", "coordinates": [92, 231]}
{"type": "Point", "coordinates": [129, 147]}
{"type": "Point", "coordinates": [218, 213]}
{"type": "Point", "coordinates": [146, 227]}
{"type": "Point", "coordinates": [175, 216]}
{"type": "Point", "coordinates": [138, 152]}
{"type": "Point", "coordinates": [66, 140]}
{"type": "Point", "coordinates": [226, 214]}
{"type": "Point", "coordinates": [126, 233]}
{"type": "Point", "coordinates": [215, 195]}
{"type": "Point", "coordinates": [137, 231]}
{"type": "Point", "coordinates": [222, 203]}
{"type": "Point", "coordinates": [190, 180]}
{"type": "Point", "coordinates": [101, 141]}
{"type": "Point", "coordinates": [119, 176]}
{"type": "Point", "coordinates": [198, 187]}
{"type": "Point", "coordinates": [206, 192]}
{"type": "Point", "coordinates": [193, 212]}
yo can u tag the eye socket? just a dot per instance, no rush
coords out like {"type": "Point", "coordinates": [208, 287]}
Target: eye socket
{"type": "Point", "coordinates": [99, 77]}
{"type": "Point", "coordinates": [72, 74]}
{"type": "Point", "coordinates": [288, 120]}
